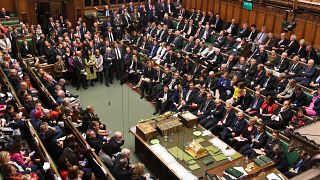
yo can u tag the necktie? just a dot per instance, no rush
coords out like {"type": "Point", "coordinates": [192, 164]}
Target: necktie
{"type": "Point", "coordinates": [205, 107]}
{"type": "Point", "coordinates": [188, 94]}
{"type": "Point", "coordinates": [255, 103]}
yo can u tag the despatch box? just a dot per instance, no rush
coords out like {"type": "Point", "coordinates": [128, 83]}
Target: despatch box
{"type": "Point", "coordinates": [146, 131]}
{"type": "Point", "coordinates": [188, 119]}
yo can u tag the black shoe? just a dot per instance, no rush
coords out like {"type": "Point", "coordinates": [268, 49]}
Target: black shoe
{"type": "Point", "coordinates": [75, 96]}
{"type": "Point", "coordinates": [92, 84]}
{"type": "Point", "coordinates": [107, 85]}
{"type": "Point", "coordinates": [85, 87]}
{"type": "Point", "coordinates": [78, 89]}
{"type": "Point", "coordinates": [156, 112]}
{"type": "Point", "coordinates": [141, 97]}
{"type": "Point", "coordinates": [111, 82]}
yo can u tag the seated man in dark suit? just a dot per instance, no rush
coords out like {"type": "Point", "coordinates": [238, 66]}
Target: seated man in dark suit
{"type": "Point", "coordinates": [231, 28]}
{"type": "Point", "coordinates": [163, 101]}
{"type": "Point", "coordinates": [115, 142]}
{"type": "Point", "coordinates": [205, 107]}
{"type": "Point", "coordinates": [226, 120]}
{"type": "Point", "coordinates": [234, 129]}
{"type": "Point", "coordinates": [244, 100]}
{"type": "Point", "coordinates": [298, 98]}
{"type": "Point", "coordinates": [268, 84]}
{"type": "Point", "coordinates": [215, 115]}
{"type": "Point", "coordinates": [25, 50]}
{"type": "Point", "coordinates": [267, 149]}
{"type": "Point", "coordinates": [122, 168]}
{"type": "Point", "coordinates": [177, 41]}
{"type": "Point", "coordinates": [281, 64]}
{"type": "Point", "coordinates": [255, 104]}
{"type": "Point", "coordinates": [281, 120]}
{"type": "Point", "coordinates": [257, 142]}
{"type": "Point", "coordinates": [300, 165]}
{"type": "Point", "coordinates": [307, 74]}
{"type": "Point", "coordinates": [92, 140]}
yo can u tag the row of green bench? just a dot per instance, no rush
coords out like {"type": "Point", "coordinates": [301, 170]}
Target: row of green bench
{"type": "Point", "coordinates": [291, 154]}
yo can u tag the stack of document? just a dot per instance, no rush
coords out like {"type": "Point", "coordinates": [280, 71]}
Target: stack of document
{"type": "Point", "coordinates": [274, 176]}
{"type": "Point", "coordinates": [218, 143]}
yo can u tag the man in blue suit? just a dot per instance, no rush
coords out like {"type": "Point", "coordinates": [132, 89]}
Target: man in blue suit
{"type": "Point", "coordinates": [153, 49]}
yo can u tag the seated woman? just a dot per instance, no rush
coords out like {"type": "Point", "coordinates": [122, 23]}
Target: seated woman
{"type": "Point", "coordinates": [20, 157]}
{"type": "Point", "coordinates": [298, 120]}
{"type": "Point", "coordinates": [11, 172]}
{"type": "Point", "coordinates": [267, 108]}
{"type": "Point", "coordinates": [314, 108]}
{"type": "Point", "coordinates": [288, 91]}
{"type": "Point", "coordinates": [5, 160]}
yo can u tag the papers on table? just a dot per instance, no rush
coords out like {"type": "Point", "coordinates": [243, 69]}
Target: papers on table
{"type": "Point", "coordinates": [229, 152]}
{"type": "Point", "coordinates": [172, 163]}
{"type": "Point", "coordinates": [274, 176]}
{"type": "Point", "coordinates": [238, 138]}
{"type": "Point", "coordinates": [206, 133]}
{"type": "Point", "coordinates": [218, 143]}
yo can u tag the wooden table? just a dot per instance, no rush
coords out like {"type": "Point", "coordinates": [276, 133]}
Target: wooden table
{"type": "Point", "coordinates": [256, 173]}
{"type": "Point", "coordinates": [180, 139]}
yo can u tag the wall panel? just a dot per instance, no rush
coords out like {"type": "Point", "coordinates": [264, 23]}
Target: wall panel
{"type": "Point", "coordinates": [204, 5]}
{"type": "Point", "coordinates": [310, 30]}
{"type": "Point", "coordinates": [260, 18]}
{"type": "Point", "coordinates": [216, 7]}
{"type": "Point", "coordinates": [8, 4]}
{"type": "Point", "coordinates": [252, 17]}
{"type": "Point", "coordinates": [223, 10]}
{"type": "Point", "coordinates": [210, 5]}
{"type": "Point", "coordinates": [236, 13]}
{"type": "Point", "coordinates": [229, 13]}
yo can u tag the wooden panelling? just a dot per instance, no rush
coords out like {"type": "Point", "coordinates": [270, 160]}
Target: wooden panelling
{"type": "Point", "coordinates": [8, 4]}
{"type": "Point", "coordinates": [198, 4]}
{"type": "Point", "coordinates": [229, 13]}
{"type": "Point", "coordinates": [216, 7]}
{"type": "Point", "coordinates": [298, 31]}
{"type": "Point", "coordinates": [310, 30]}
{"type": "Point", "coordinates": [236, 13]}
{"type": "Point", "coordinates": [210, 5]}
{"type": "Point", "coordinates": [223, 10]}
{"type": "Point", "coordinates": [252, 17]}
{"type": "Point", "coordinates": [204, 5]}
{"type": "Point", "coordinates": [317, 37]}
{"type": "Point", "coordinates": [260, 17]}
{"type": "Point", "coordinates": [244, 15]}
{"type": "Point", "coordinates": [192, 3]}
{"type": "Point", "coordinates": [277, 29]}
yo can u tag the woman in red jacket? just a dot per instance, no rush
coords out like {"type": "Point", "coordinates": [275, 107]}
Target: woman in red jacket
{"type": "Point", "coordinates": [267, 108]}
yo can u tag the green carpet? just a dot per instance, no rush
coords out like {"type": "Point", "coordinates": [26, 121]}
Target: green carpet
{"type": "Point", "coordinates": [125, 109]}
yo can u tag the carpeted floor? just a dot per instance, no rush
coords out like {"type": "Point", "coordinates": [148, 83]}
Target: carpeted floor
{"type": "Point", "coordinates": [119, 107]}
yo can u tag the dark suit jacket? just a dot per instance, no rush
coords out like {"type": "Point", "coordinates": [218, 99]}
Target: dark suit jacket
{"type": "Point", "coordinates": [229, 118]}
{"type": "Point", "coordinates": [244, 101]}
{"type": "Point", "coordinates": [94, 143]}
{"type": "Point", "coordinates": [238, 126]}
{"type": "Point", "coordinates": [282, 66]}
{"type": "Point", "coordinates": [262, 140]}
{"type": "Point", "coordinates": [299, 100]}
{"type": "Point", "coordinates": [293, 48]}
{"type": "Point", "coordinates": [281, 162]}
{"type": "Point", "coordinates": [77, 65]}
{"type": "Point", "coordinates": [208, 108]}
{"type": "Point", "coordinates": [114, 145]}
{"type": "Point", "coordinates": [234, 29]}
{"type": "Point", "coordinates": [243, 33]}
{"type": "Point", "coordinates": [24, 51]}
{"type": "Point", "coordinates": [177, 42]}
{"type": "Point", "coordinates": [295, 68]}
{"type": "Point", "coordinates": [271, 84]}
{"type": "Point", "coordinates": [218, 112]}
{"type": "Point", "coordinates": [258, 105]}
